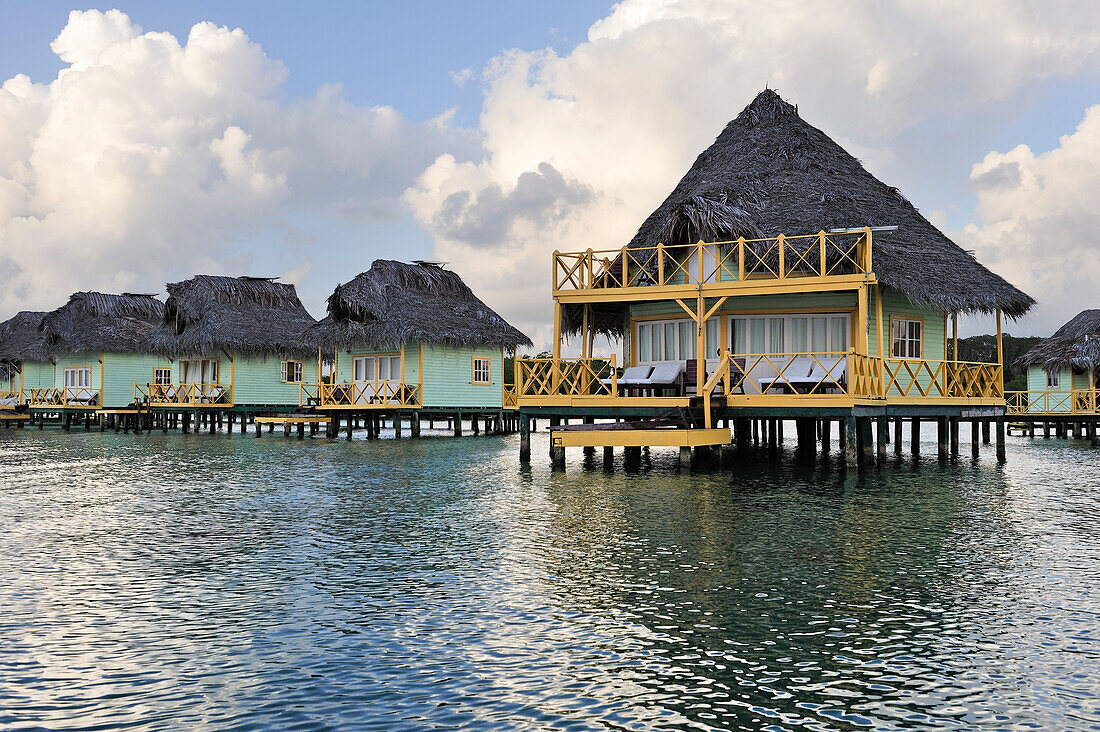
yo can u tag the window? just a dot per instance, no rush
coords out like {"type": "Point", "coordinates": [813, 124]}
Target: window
{"type": "Point", "coordinates": [199, 370]}
{"type": "Point", "coordinates": [673, 340]}
{"type": "Point", "coordinates": [710, 264]}
{"type": "Point", "coordinates": [377, 368]}
{"type": "Point", "coordinates": [162, 376]}
{"type": "Point", "coordinates": [1054, 380]}
{"type": "Point", "coordinates": [481, 371]}
{"type": "Point", "coordinates": [906, 339]}
{"type": "Point", "coordinates": [77, 382]}
{"type": "Point", "coordinates": [292, 372]}
{"type": "Point", "coordinates": [795, 333]}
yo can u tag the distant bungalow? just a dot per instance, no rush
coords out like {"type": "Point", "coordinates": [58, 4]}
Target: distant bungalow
{"type": "Point", "coordinates": [98, 345]}
{"type": "Point", "coordinates": [24, 363]}
{"type": "Point", "coordinates": [1063, 371]}
{"type": "Point", "coordinates": [229, 342]}
{"type": "Point", "coordinates": [411, 336]}
{"type": "Point", "coordinates": [783, 272]}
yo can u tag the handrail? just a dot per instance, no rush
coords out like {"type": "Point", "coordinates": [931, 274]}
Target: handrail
{"type": "Point", "coordinates": [1052, 401]}
{"type": "Point", "coordinates": [776, 258]}
{"type": "Point", "coordinates": [183, 395]}
{"type": "Point", "coordinates": [579, 376]}
{"type": "Point", "coordinates": [67, 396]}
{"type": "Point", "coordinates": [366, 393]}
{"type": "Point", "coordinates": [803, 374]}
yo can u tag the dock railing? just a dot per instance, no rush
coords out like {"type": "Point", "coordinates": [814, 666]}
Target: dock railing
{"type": "Point", "coordinates": [72, 396]}
{"type": "Point", "coordinates": [366, 394]}
{"type": "Point", "coordinates": [183, 395]}
{"type": "Point", "coordinates": [1053, 402]}
{"type": "Point", "coordinates": [780, 379]}
{"type": "Point", "coordinates": [777, 258]}
{"type": "Point", "coordinates": [10, 399]}
{"type": "Point", "coordinates": [509, 396]}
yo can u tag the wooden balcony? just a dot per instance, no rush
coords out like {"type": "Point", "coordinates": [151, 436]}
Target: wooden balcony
{"type": "Point", "coordinates": [362, 395]}
{"type": "Point", "coordinates": [1057, 403]}
{"type": "Point", "coordinates": [75, 397]}
{"type": "Point", "coordinates": [791, 380]}
{"type": "Point", "coordinates": [806, 263]}
{"type": "Point", "coordinates": [183, 395]}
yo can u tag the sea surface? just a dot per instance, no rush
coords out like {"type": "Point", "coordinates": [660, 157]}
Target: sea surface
{"type": "Point", "coordinates": [228, 582]}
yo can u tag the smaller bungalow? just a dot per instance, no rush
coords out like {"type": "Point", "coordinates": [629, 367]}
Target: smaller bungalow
{"type": "Point", "coordinates": [411, 336]}
{"type": "Point", "coordinates": [229, 341]}
{"type": "Point", "coordinates": [24, 363]}
{"type": "Point", "coordinates": [98, 345]}
{"type": "Point", "coordinates": [1063, 371]}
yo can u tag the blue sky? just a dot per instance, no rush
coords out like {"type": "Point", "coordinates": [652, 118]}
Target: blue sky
{"type": "Point", "coordinates": [565, 124]}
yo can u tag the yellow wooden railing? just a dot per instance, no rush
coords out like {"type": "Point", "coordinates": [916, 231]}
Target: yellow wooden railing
{"type": "Point", "coordinates": [368, 394]}
{"type": "Point", "coordinates": [756, 379]}
{"type": "Point", "coordinates": [183, 395]}
{"type": "Point", "coordinates": [510, 396]}
{"type": "Point", "coordinates": [573, 376]}
{"type": "Point", "coordinates": [9, 399]}
{"type": "Point", "coordinates": [778, 258]}
{"type": "Point", "coordinates": [75, 396]}
{"type": "Point", "coordinates": [942, 379]}
{"type": "Point", "coordinates": [1048, 401]}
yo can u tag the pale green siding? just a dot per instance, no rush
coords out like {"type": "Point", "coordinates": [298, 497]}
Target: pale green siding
{"type": "Point", "coordinates": [1043, 398]}
{"type": "Point", "coordinates": [448, 373]}
{"type": "Point", "coordinates": [37, 374]}
{"type": "Point", "coordinates": [111, 374]}
{"type": "Point", "coordinates": [260, 381]}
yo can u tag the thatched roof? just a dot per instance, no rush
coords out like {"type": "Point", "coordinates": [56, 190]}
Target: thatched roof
{"type": "Point", "coordinates": [250, 316]}
{"type": "Point", "coordinates": [770, 173]}
{"type": "Point", "coordinates": [20, 339]}
{"type": "Point", "coordinates": [1076, 344]}
{"type": "Point", "coordinates": [95, 321]}
{"type": "Point", "coordinates": [395, 303]}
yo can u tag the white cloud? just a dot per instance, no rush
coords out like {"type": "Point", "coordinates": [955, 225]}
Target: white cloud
{"type": "Point", "coordinates": [1039, 221]}
{"type": "Point", "coordinates": [623, 114]}
{"type": "Point", "coordinates": [146, 158]}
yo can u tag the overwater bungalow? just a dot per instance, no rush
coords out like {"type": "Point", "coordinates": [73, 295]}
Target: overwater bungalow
{"type": "Point", "coordinates": [24, 363]}
{"type": "Point", "coordinates": [411, 338]}
{"type": "Point", "coordinates": [229, 343]}
{"type": "Point", "coordinates": [779, 280]}
{"type": "Point", "coordinates": [97, 343]}
{"type": "Point", "coordinates": [1063, 371]}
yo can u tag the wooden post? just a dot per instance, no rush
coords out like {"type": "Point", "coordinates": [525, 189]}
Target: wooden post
{"type": "Point", "coordinates": [953, 423]}
{"type": "Point", "coordinates": [914, 437]}
{"type": "Point", "coordinates": [897, 435]}
{"type": "Point", "coordinates": [458, 424]}
{"type": "Point", "coordinates": [524, 440]}
{"type": "Point", "coordinates": [974, 439]}
{"type": "Point", "coordinates": [880, 341]}
{"type": "Point", "coordinates": [866, 439]}
{"type": "Point", "coordinates": [301, 430]}
{"type": "Point", "coordinates": [955, 338]}
{"type": "Point", "coordinates": [555, 374]}
{"type": "Point", "coordinates": [883, 437]}
{"type": "Point", "coordinates": [1000, 354]}
{"type": "Point", "coordinates": [1001, 456]}
{"type": "Point", "coordinates": [985, 431]}
{"type": "Point", "coordinates": [941, 437]}
{"type": "Point", "coordinates": [685, 459]}
{"type": "Point", "coordinates": [861, 321]}
{"type": "Point", "coordinates": [851, 442]}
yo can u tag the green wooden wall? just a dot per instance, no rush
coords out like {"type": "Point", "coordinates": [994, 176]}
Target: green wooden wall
{"type": "Point", "coordinates": [448, 373]}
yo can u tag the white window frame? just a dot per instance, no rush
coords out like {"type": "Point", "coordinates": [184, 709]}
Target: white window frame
{"type": "Point", "coordinates": [157, 371]}
{"type": "Point", "coordinates": [376, 364]}
{"type": "Point", "coordinates": [293, 372]}
{"type": "Point", "coordinates": [481, 367]}
{"type": "Point", "coordinates": [911, 349]}
{"type": "Point", "coordinates": [768, 321]}
{"type": "Point", "coordinates": [1054, 380]}
{"type": "Point", "coordinates": [712, 339]}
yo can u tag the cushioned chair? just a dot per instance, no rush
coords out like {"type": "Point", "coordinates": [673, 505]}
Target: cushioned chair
{"type": "Point", "coordinates": [666, 375]}
{"type": "Point", "coordinates": [797, 371]}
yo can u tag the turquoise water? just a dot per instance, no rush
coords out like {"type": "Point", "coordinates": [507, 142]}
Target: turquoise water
{"type": "Point", "coordinates": [169, 581]}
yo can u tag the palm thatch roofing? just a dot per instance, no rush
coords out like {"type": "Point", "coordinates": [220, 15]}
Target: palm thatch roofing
{"type": "Point", "coordinates": [770, 173]}
{"type": "Point", "coordinates": [20, 339]}
{"type": "Point", "coordinates": [1075, 345]}
{"type": "Point", "coordinates": [394, 303]}
{"type": "Point", "coordinates": [97, 321]}
{"type": "Point", "coordinates": [249, 316]}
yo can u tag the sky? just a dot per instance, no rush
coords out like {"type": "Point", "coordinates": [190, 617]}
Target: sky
{"type": "Point", "coordinates": [150, 142]}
